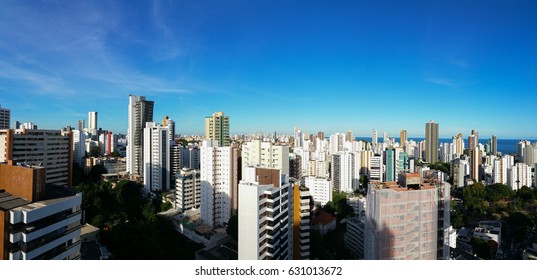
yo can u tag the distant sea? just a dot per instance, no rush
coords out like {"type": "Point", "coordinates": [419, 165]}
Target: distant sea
{"type": "Point", "coordinates": [505, 146]}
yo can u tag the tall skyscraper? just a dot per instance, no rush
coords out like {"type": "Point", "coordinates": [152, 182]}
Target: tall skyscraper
{"type": "Point", "coordinates": [167, 122]}
{"type": "Point", "coordinates": [140, 112]}
{"type": "Point", "coordinates": [458, 145]}
{"type": "Point", "coordinates": [374, 138]}
{"type": "Point", "coordinates": [156, 157]}
{"type": "Point", "coordinates": [219, 178]}
{"type": "Point", "coordinates": [217, 128]}
{"type": "Point", "coordinates": [92, 122]}
{"type": "Point", "coordinates": [494, 141]}
{"type": "Point", "coordinates": [5, 118]}
{"type": "Point", "coordinates": [320, 135]}
{"type": "Point", "coordinates": [349, 137]}
{"type": "Point", "coordinates": [431, 142]}
{"type": "Point", "coordinates": [81, 125]}
{"type": "Point", "coordinates": [403, 138]}
{"type": "Point", "coordinates": [474, 154]}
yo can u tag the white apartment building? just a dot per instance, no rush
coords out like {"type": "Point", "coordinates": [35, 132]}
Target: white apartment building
{"type": "Point", "coordinates": [518, 176]}
{"type": "Point", "coordinates": [265, 154]}
{"type": "Point", "coordinates": [320, 189]}
{"type": "Point", "coordinates": [376, 170]}
{"type": "Point", "coordinates": [500, 166]}
{"type": "Point", "coordinates": [48, 229]}
{"type": "Point", "coordinates": [79, 147]}
{"type": "Point", "coordinates": [187, 189]}
{"type": "Point", "coordinates": [265, 216]}
{"type": "Point", "coordinates": [218, 183]}
{"type": "Point", "coordinates": [92, 122]}
{"type": "Point", "coordinates": [156, 157]}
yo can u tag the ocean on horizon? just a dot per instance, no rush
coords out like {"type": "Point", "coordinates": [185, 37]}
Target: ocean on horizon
{"type": "Point", "coordinates": [505, 146]}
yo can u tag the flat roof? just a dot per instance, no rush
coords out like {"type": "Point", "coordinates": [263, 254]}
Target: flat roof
{"type": "Point", "coordinates": [9, 201]}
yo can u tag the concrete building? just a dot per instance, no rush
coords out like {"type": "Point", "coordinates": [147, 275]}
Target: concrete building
{"type": "Point", "coordinates": [431, 142]}
{"type": "Point", "coordinates": [265, 154]}
{"type": "Point", "coordinates": [459, 170]}
{"type": "Point", "coordinates": [219, 178]}
{"type": "Point", "coordinates": [301, 210]}
{"type": "Point", "coordinates": [38, 221]}
{"type": "Point", "coordinates": [92, 123]}
{"type": "Point", "coordinates": [140, 112]}
{"type": "Point", "coordinates": [475, 156]}
{"type": "Point", "coordinates": [494, 145]}
{"type": "Point", "coordinates": [374, 138]}
{"type": "Point", "coordinates": [376, 170]}
{"type": "Point", "coordinates": [48, 148]}
{"type": "Point", "coordinates": [170, 124]}
{"type": "Point", "coordinates": [406, 220]}
{"type": "Point", "coordinates": [355, 237]}
{"type": "Point", "coordinates": [458, 146]}
{"type": "Point", "coordinates": [518, 176]}
{"type": "Point", "coordinates": [156, 157]}
{"type": "Point", "coordinates": [5, 118]}
{"type": "Point", "coordinates": [79, 147]}
{"type": "Point", "coordinates": [190, 157]}
{"type": "Point", "coordinates": [265, 215]}
{"type": "Point", "coordinates": [489, 231]}
{"type": "Point", "coordinates": [403, 137]}
{"type": "Point", "coordinates": [320, 189]}
{"type": "Point", "coordinates": [187, 189]}
{"type": "Point", "coordinates": [217, 128]}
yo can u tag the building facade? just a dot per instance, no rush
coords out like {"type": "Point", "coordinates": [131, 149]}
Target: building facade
{"type": "Point", "coordinates": [217, 128]}
{"type": "Point", "coordinates": [140, 112]}
{"type": "Point", "coordinates": [156, 157]}
{"type": "Point", "coordinates": [219, 178]}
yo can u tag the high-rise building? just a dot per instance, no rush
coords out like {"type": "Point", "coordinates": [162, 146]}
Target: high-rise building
{"type": "Point", "coordinates": [92, 122]}
{"type": "Point", "coordinates": [265, 216]}
{"type": "Point", "coordinates": [431, 142]}
{"type": "Point", "coordinates": [458, 172]}
{"type": "Point", "coordinates": [38, 221]}
{"type": "Point", "coordinates": [190, 157]}
{"type": "Point", "coordinates": [407, 220]}
{"type": "Point", "coordinates": [320, 135]}
{"type": "Point", "coordinates": [79, 147]}
{"type": "Point", "coordinates": [140, 112]}
{"type": "Point", "coordinates": [81, 125]}
{"type": "Point", "coordinates": [349, 137]}
{"type": "Point", "coordinates": [256, 153]}
{"type": "Point", "coordinates": [355, 237]}
{"type": "Point", "coordinates": [5, 118]}
{"type": "Point", "coordinates": [301, 212]}
{"type": "Point", "coordinates": [217, 128]}
{"type": "Point", "coordinates": [219, 177]}
{"type": "Point", "coordinates": [494, 147]}
{"type": "Point", "coordinates": [518, 176]}
{"type": "Point", "coordinates": [530, 154]}
{"type": "Point", "coordinates": [48, 148]}
{"type": "Point", "coordinates": [156, 157]}
{"type": "Point", "coordinates": [458, 146]}
{"type": "Point", "coordinates": [474, 154]}
{"type": "Point", "coordinates": [170, 124]}
{"type": "Point", "coordinates": [403, 137]}
{"type": "Point", "coordinates": [374, 138]}
{"type": "Point", "coordinates": [187, 189]}
{"type": "Point", "coordinates": [320, 189]}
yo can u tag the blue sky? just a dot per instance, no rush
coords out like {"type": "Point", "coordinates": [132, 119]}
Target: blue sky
{"type": "Point", "coordinates": [274, 65]}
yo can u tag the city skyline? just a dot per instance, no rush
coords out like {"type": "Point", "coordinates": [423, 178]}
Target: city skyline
{"type": "Point", "coordinates": [331, 68]}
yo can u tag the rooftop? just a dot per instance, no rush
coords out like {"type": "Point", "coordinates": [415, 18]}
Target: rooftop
{"type": "Point", "coordinates": [323, 218]}
{"type": "Point", "coordinates": [9, 201]}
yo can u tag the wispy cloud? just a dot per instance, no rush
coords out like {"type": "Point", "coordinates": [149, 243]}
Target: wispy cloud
{"type": "Point", "coordinates": [441, 81]}
{"type": "Point", "coordinates": [459, 63]}
{"type": "Point", "coordinates": [72, 49]}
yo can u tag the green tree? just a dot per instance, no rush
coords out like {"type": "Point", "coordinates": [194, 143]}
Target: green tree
{"type": "Point", "coordinates": [233, 227]}
{"type": "Point", "coordinates": [96, 171]}
{"type": "Point", "coordinates": [481, 248]}
{"type": "Point", "coordinates": [520, 224]}
{"type": "Point", "coordinates": [474, 197]}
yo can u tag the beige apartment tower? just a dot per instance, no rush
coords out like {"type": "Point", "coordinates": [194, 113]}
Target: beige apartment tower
{"type": "Point", "coordinates": [217, 128]}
